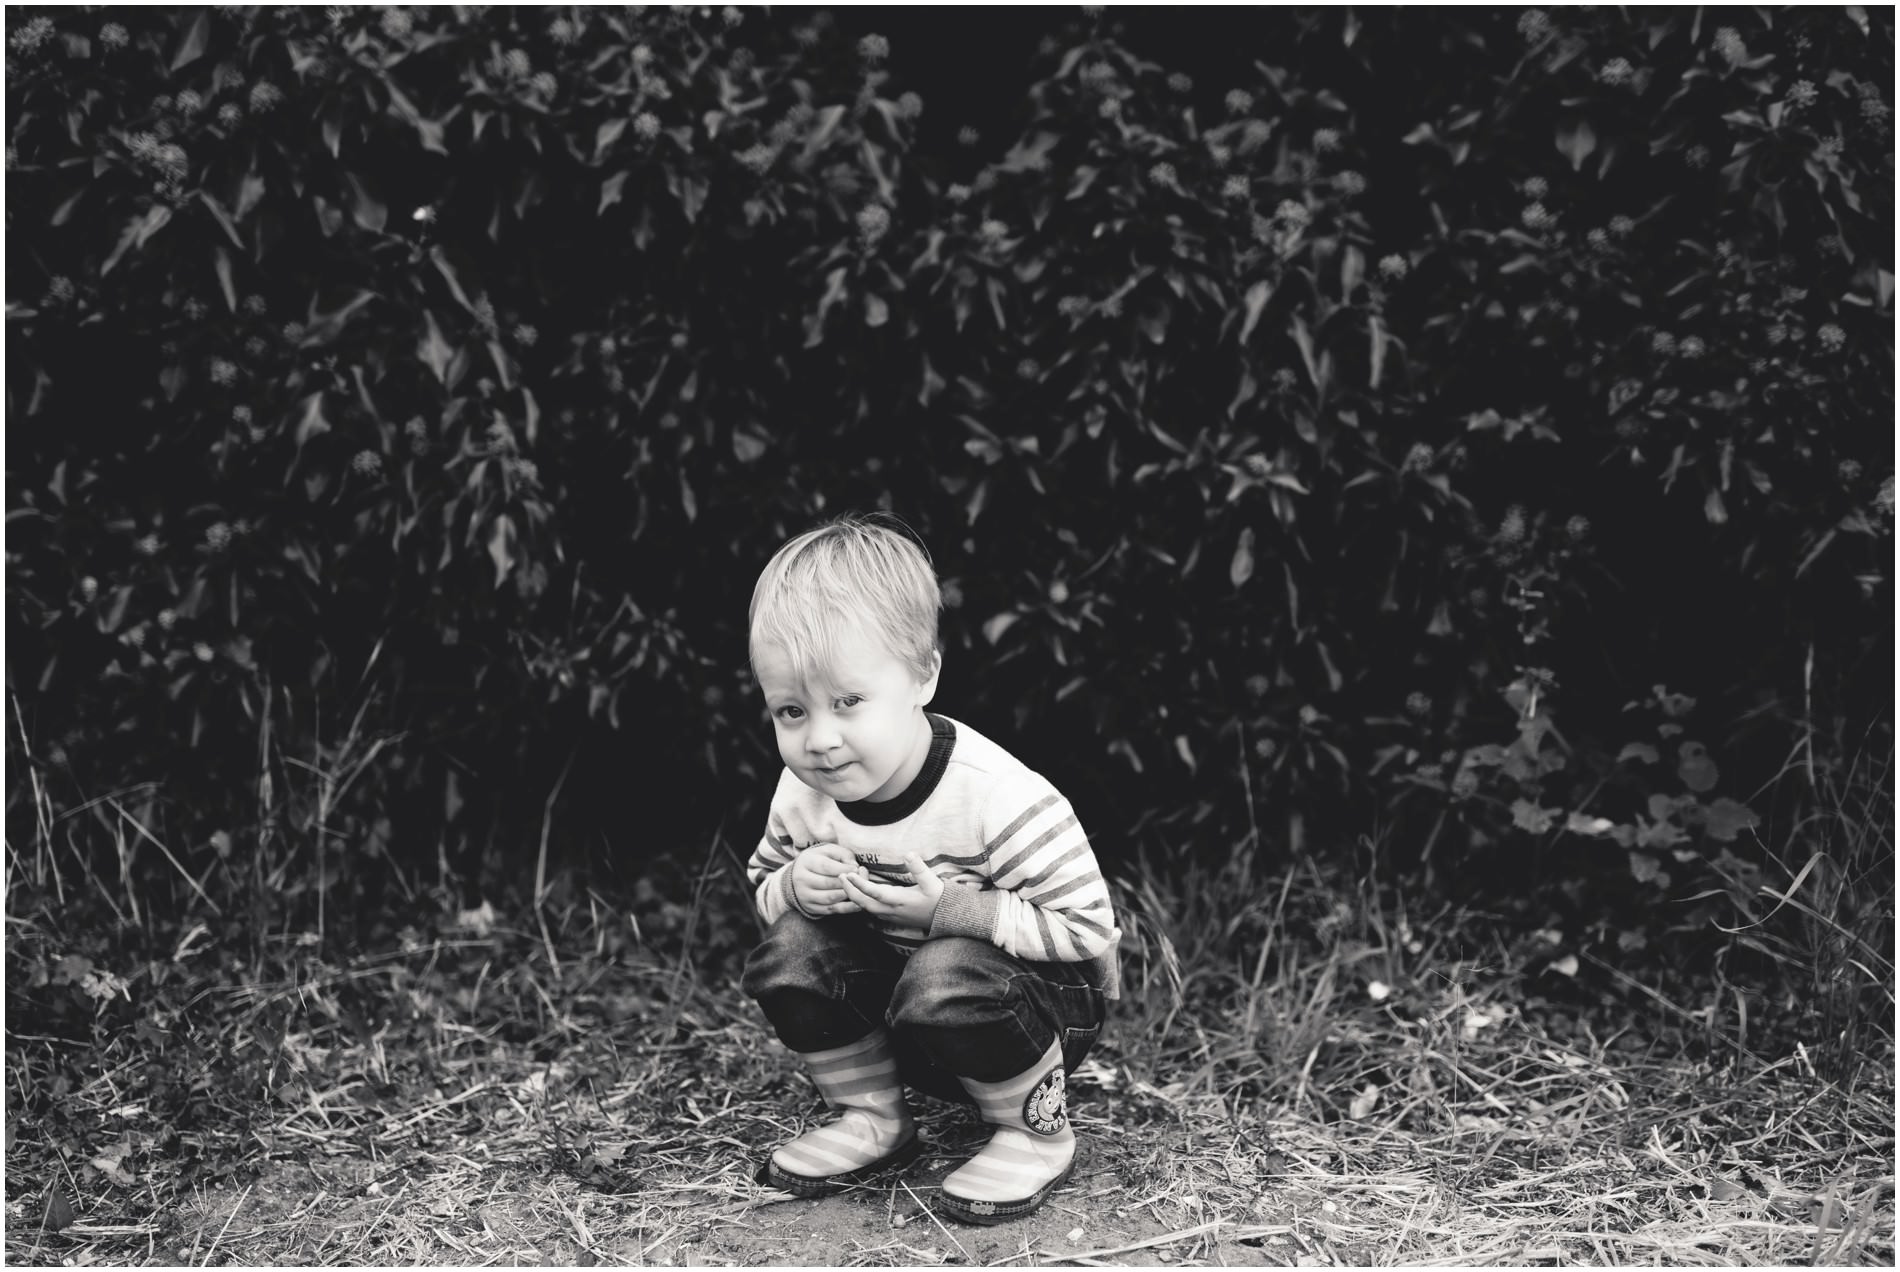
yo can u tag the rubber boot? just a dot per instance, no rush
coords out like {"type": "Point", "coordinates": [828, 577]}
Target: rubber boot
{"type": "Point", "coordinates": [873, 1133]}
{"type": "Point", "coordinates": [1031, 1153]}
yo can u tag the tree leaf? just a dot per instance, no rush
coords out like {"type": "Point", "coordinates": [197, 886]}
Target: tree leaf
{"type": "Point", "coordinates": [1696, 769]}
{"type": "Point", "coordinates": [191, 46]}
{"type": "Point", "coordinates": [1352, 268]}
{"type": "Point", "coordinates": [1728, 818]}
{"type": "Point", "coordinates": [369, 211]}
{"type": "Point", "coordinates": [997, 624]}
{"type": "Point", "coordinates": [1257, 297]}
{"type": "Point", "coordinates": [221, 262]}
{"type": "Point", "coordinates": [1645, 869]}
{"type": "Point", "coordinates": [428, 131]}
{"type": "Point", "coordinates": [451, 277]}
{"type": "Point", "coordinates": [689, 190]}
{"type": "Point", "coordinates": [433, 349]}
{"type": "Point", "coordinates": [64, 212]}
{"type": "Point", "coordinates": [1183, 749]}
{"type": "Point", "coordinates": [250, 192]}
{"type": "Point", "coordinates": [222, 217]}
{"type": "Point", "coordinates": [746, 446]}
{"type": "Point", "coordinates": [110, 621]}
{"type": "Point", "coordinates": [608, 133]}
{"type": "Point", "coordinates": [1240, 569]}
{"type": "Point", "coordinates": [1577, 140]}
{"type": "Point", "coordinates": [312, 423]}
{"type": "Point", "coordinates": [501, 546]}
{"type": "Point", "coordinates": [155, 220]}
{"type": "Point", "coordinates": [1304, 339]}
{"type": "Point", "coordinates": [1527, 816]}
{"type": "Point", "coordinates": [611, 191]}
{"type": "Point", "coordinates": [834, 292]}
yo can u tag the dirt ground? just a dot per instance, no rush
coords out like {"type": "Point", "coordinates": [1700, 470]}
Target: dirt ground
{"type": "Point", "coordinates": [427, 1207]}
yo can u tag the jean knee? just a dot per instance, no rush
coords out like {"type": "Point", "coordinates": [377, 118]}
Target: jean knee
{"type": "Point", "coordinates": [948, 982]}
{"type": "Point", "coordinates": [792, 956]}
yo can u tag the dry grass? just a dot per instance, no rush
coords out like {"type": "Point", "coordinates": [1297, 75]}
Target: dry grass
{"type": "Point", "coordinates": [575, 1095]}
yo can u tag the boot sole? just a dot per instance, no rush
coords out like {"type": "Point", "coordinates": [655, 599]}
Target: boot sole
{"type": "Point", "coordinates": [993, 1212]}
{"type": "Point", "coordinates": [775, 1176]}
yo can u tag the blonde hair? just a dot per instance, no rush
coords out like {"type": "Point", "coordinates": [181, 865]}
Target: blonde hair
{"type": "Point", "coordinates": [850, 573]}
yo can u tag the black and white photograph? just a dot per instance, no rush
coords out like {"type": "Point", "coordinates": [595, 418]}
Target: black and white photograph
{"type": "Point", "coordinates": [973, 636]}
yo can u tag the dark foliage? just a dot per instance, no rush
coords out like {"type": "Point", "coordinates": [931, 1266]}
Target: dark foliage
{"type": "Point", "coordinates": [402, 401]}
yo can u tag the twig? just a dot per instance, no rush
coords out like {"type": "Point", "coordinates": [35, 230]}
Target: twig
{"type": "Point", "coordinates": [42, 807]}
{"type": "Point", "coordinates": [140, 827]}
{"type": "Point", "coordinates": [1166, 1238]}
{"type": "Point", "coordinates": [580, 1225]}
{"type": "Point", "coordinates": [933, 1218]}
{"type": "Point", "coordinates": [541, 863]}
{"type": "Point", "coordinates": [227, 1223]}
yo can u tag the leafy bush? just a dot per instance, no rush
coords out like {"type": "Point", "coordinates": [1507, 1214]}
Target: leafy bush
{"type": "Point", "coordinates": [405, 399]}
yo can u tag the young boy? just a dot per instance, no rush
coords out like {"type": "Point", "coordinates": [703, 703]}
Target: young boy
{"type": "Point", "coordinates": [935, 912]}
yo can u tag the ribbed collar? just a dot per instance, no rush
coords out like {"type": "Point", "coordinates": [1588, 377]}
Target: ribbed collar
{"type": "Point", "coordinates": [943, 740]}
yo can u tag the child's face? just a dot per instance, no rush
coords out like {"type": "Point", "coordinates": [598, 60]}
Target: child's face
{"type": "Point", "coordinates": [859, 735]}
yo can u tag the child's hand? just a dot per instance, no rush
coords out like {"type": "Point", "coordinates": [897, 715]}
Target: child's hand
{"type": "Point", "coordinates": [815, 879]}
{"type": "Point", "coordinates": [914, 906]}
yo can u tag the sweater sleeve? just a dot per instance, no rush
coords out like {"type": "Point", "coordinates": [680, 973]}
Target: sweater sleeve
{"type": "Point", "coordinates": [1049, 901]}
{"type": "Point", "coordinates": [769, 871]}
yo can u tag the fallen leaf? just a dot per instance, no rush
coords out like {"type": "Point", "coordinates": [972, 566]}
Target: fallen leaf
{"type": "Point", "coordinates": [59, 1211]}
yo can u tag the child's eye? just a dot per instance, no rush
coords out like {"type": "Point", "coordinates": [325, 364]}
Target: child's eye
{"type": "Point", "coordinates": [850, 700]}
{"type": "Point", "coordinates": [790, 713]}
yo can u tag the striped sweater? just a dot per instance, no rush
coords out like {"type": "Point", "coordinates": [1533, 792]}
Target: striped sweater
{"type": "Point", "coordinates": [1017, 869]}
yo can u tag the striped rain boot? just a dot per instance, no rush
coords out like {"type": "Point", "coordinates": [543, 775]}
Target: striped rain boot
{"type": "Point", "coordinates": [874, 1132]}
{"type": "Point", "coordinates": [1031, 1153]}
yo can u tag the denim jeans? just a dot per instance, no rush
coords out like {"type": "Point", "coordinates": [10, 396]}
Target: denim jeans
{"type": "Point", "coordinates": [957, 1007]}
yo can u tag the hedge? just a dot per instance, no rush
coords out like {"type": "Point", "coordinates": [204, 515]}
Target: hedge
{"type": "Point", "coordinates": [1471, 426]}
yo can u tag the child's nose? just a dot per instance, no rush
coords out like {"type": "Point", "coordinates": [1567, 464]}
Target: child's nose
{"type": "Point", "coordinates": [822, 736]}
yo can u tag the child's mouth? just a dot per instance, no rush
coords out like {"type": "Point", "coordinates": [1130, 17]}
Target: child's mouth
{"type": "Point", "coordinates": [833, 772]}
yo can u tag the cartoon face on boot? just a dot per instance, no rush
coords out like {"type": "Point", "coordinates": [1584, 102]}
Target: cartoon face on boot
{"type": "Point", "coordinates": [1044, 1110]}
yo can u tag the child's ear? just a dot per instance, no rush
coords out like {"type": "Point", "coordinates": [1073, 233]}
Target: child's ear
{"type": "Point", "coordinates": [927, 689]}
